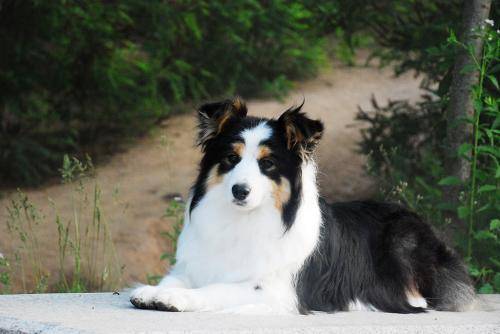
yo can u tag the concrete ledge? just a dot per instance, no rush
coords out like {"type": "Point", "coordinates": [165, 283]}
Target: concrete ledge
{"type": "Point", "coordinates": [108, 313]}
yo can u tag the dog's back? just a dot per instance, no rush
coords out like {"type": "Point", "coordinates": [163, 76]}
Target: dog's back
{"type": "Point", "coordinates": [383, 257]}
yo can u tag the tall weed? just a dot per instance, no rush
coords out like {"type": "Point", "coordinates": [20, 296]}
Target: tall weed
{"type": "Point", "coordinates": [86, 255]}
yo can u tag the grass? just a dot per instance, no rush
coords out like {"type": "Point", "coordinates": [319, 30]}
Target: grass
{"type": "Point", "coordinates": [87, 260]}
{"type": "Point", "coordinates": [174, 211]}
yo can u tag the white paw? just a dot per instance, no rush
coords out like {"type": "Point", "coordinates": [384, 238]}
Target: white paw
{"type": "Point", "coordinates": [177, 299]}
{"type": "Point", "coordinates": [417, 302]}
{"type": "Point", "coordinates": [143, 296]}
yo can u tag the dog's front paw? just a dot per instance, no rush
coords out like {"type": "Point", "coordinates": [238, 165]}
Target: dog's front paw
{"type": "Point", "coordinates": [143, 297]}
{"type": "Point", "coordinates": [177, 299]}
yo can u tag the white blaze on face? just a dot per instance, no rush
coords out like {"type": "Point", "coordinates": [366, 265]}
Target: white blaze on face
{"type": "Point", "coordinates": [247, 171]}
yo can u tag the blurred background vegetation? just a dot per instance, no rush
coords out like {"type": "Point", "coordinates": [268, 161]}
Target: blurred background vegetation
{"type": "Point", "coordinates": [78, 75]}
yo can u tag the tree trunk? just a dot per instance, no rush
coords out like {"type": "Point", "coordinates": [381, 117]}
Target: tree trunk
{"type": "Point", "coordinates": [461, 104]}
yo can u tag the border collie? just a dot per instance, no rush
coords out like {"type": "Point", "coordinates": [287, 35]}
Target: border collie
{"type": "Point", "coordinates": [257, 234]}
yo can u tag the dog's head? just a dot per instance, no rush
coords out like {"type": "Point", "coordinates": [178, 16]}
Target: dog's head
{"type": "Point", "coordinates": [256, 161]}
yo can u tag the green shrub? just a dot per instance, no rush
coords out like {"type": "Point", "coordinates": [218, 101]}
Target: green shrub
{"type": "Point", "coordinates": [410, 34]}
{"type": "Point", "coordinates": [408, 31]}
{"type": "Point", "coordinates": [212, 47]}
{"type": "Point", "coordinates": [68, 77]}
{"type": "Point", "coordinates": [406, 147]}
{"type": "Point", "coordinates": [5, 275]}
{"type": "Point", "coordinates": [88, 71]}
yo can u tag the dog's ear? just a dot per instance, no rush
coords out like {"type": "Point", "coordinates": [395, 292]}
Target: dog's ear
{"type": "Point", "coordinates": [301, 133]}
{"type": "Point", "coordinates": [212, 117]}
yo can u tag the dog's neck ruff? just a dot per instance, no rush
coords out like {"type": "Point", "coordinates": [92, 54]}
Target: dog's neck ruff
{"type": "Point", "coordinates": [221, 244]}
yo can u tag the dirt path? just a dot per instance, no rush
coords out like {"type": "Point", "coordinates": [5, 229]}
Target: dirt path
{"type": "Point", "coordinates": [164, 163]}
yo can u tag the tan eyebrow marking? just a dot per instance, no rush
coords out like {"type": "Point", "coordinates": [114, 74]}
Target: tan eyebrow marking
{"type": "Point", "coordinates": [264, 151]}
{"type": "Point", "coordinates": [238, 148]}
{"type": "Point", "coordinates": [281, 193]}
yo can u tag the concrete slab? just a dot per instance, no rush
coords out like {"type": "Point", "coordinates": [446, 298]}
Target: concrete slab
{"type": "Point", "coordinates": [108, 313]}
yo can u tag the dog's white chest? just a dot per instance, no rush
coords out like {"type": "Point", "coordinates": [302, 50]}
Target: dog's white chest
{"type": "Point", "coordinates": [221, 246]}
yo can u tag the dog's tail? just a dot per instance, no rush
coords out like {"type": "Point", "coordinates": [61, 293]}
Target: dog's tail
{"type": "Point", "coordinates": [452, 288]}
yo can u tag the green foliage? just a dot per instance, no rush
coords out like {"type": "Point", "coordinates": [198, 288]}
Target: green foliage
{"type": "Point", "coordinates": [175, 216]}
{"type": "Point", "coordinates": [153, 279]}
{"type": "Point", "coordinates": [405, 143]}
{"type": "Point", "coordinates": [211, 47]}
{"type": "Point", "coordinates": [86, 72]}
{"type": "Point", "coordinates": [482, 206]}
{"type": "Point", "coordinates": [5, 275]}
{"type": "Point", "coordinates": [175, 211]}
{"type": "Point", "coordinates": [411, 33]}
{"type": "Point", "coordinates": [86, 254]}
{"type": "Point", "coordinates": [71, 77]}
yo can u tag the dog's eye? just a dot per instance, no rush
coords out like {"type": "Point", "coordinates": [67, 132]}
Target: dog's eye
{"type": "Point", "coordinates": [267, 164]}
{"type": "Point", "coordinates": [233, 158]}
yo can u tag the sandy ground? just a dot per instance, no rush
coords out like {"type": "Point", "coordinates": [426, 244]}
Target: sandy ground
{"type": "Point", "coordinates": [165, 163]}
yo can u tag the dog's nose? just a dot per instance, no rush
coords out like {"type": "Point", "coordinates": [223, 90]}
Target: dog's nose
{"type": "Point", "coordinates": [240, 191]}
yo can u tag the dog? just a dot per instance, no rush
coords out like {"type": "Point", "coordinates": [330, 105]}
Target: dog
{"type": "Point", "coordinates": [257, 233]}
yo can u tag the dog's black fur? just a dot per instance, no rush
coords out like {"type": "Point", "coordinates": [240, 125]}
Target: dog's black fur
{"type": "Point", "coordinates": [377, 252]}
{"type": "Point", "coordinates": [373, 252]}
